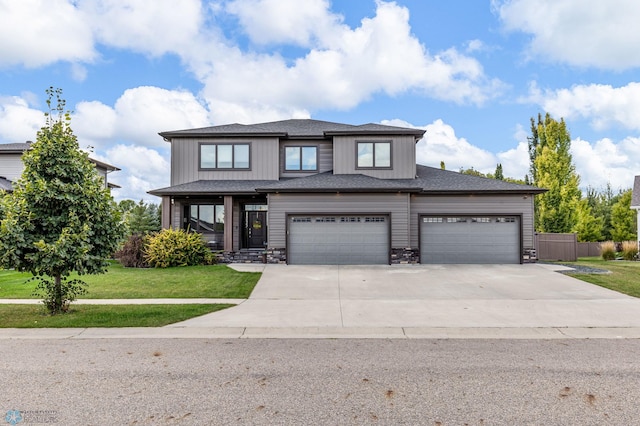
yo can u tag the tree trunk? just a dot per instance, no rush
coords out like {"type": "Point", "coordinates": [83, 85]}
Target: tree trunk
{"type": "Point", "coordinates": [57, 298]}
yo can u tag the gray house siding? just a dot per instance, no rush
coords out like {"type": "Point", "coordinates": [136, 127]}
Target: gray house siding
{"type": "Point", "coordinates": [325, 157]}
{"type": "Point", "coordinates": [474, 204]}
{"type": "Point", "coordinates": [185, 160]}
{"type": "Point", "coordinates": [396, 205]}
{"type": "Point", "coordinates": [11, 166]}
{"type": "Point", "coordinates": [403, 156]}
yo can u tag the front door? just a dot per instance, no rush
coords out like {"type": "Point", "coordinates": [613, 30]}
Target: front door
{"type": "Point", "coordinates": [255, 229]}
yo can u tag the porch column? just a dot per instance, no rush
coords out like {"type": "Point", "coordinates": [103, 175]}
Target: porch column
{"type": "Point", "coordinates": [228, 223]}
{"type": "Point", "coordinates": [166, 212]}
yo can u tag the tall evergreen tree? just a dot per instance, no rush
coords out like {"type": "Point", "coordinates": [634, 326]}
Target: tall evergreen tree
{"type": "Point", "coordinates": [499, 175]}
{"type": "Point", "coordinates": [553, 170]}
{"type": "Point", "coordinates": [60, 217]}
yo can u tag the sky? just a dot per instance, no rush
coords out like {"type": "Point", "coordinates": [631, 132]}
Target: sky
{"type": "Point", "coordinates": [470, 72]}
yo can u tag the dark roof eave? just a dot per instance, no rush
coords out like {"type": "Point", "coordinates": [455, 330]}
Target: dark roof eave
{"type": "Point", "coordinates": [161, 193]}
{"type": "Point", "coordinates": [533, 191]}
{"type": "Point", "coordinates": [180, 135]}
{"type": "Point", "coordinates": [335, 190]}
{"type": "Point", "coordinates": [417, 133]}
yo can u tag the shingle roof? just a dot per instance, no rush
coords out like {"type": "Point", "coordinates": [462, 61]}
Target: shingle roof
{"type": "Point", "coordinates": [635, 197]}
{"type": "Point", "coordinates": [5, 184]}
{"type": "Point", "coordinates": [294, 128]}
{"type": "Point", "coordinates": [15, 147]}
{"type": "Point", "coordinates": [328, 182]}
{"type": "Point", "coordinates": [445, 181]}
{"type": "Point", "coordinates": [428, 180]}
{"type": "Point", "coordinates": [209, 187]}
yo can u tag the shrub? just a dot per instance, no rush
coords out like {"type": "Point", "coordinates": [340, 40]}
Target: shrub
{"type": "Point", "coordinates": [629, 250]}
{"type": "Point", "coordinates": [176, 247]}
{"type": "Point", "coordinates": [132, 254]}
{"type": "Point", "coordinates": [608, 250]}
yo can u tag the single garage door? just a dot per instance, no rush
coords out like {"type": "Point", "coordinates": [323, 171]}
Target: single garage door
{"type": "Point", "coordinates": [338, 240]}
{"type": "Point", "coordinates": [477, 239]}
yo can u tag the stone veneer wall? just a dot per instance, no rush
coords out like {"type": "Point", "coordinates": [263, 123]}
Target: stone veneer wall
{"type": "Point", "coordinates": [278, 255]}
{"type": "Point", "coordinates": [405, 255]}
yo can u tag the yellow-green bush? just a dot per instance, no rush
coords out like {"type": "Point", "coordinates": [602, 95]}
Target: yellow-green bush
{"type": "Point", "coordinates": [176, 247]}
{"type": "Point", "coordinates": [608, 250]}
{"type": "Point", "coordinates": [629, 250]}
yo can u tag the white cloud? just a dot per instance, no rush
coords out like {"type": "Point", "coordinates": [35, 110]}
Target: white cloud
{"type": "Point", "coordinates": [602, 105]}
{"type": "Point", "coordinates": [40, 32]}
{"type": "Point", "coordinates": [148, 26]}
{"type": "Point", "coordinates": [285, 21]}
{"type": "Point", "coordinates": [605, 162]}
{"type": "Point", "coordinates": [342, 68]}
{"type": "Point", "coordinates": [19, 122]}
{"type": "Point", "coordinates": [578, 32]}
{"type": "Point", "coordinates": [143, 169]}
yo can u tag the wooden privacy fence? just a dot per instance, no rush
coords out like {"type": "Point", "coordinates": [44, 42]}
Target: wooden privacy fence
{"type": "Point", "coordinates": [563, 247]}
{"type": "Point", "coordinates": [588, 249]}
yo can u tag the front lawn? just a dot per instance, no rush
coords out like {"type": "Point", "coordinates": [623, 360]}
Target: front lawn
{"type": "Point", "coordinates": [35, 316]}
{"type": "Point", "coordinates": [624, 276]}
{"type": "Point", "coordinates": [216, 281]}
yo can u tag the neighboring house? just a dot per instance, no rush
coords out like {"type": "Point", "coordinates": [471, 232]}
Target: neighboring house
{"type": "Point", "coordinates": [11, 165]}
{"type": "Point", "coordinates": [635, 203]}
{"type": "Point", "coordinates": [315, 192]}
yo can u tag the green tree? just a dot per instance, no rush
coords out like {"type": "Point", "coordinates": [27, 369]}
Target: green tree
{"type": "Point", "coordinates": [498, 174]}
{"type": "Point", "coordinates": [623, 219]}
{"type": "Point", "coordinates": [553, 170]}
{"type": "Point", "coordinates": [588, 227]}
{"type": "Point", "coordinates": [60, 217]}
{"type": "Point", "coordinates": [142, 218]}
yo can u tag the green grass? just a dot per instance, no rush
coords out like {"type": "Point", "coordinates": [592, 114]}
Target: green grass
{"type": "Point", "coordinates": [34, 316]}
{"type": "Point", "coordinates": [216, 281]}
{"type": "Point", "coordinates": [624, 276]}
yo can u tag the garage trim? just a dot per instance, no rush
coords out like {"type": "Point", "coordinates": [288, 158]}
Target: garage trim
{"type": "Point", "coordinates": [471, 215]}
{"type": "Point", "coordinates": [289, 216]}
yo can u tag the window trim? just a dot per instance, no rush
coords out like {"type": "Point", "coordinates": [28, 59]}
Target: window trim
{"type": "Point", "coordinates": [374, 167]}
{"type": "Point", "coordinates": [301, 170]}
{"type": "Point", "coordinates": [215, 223]}
{"type": "Point", "coordinates": [233, 155]}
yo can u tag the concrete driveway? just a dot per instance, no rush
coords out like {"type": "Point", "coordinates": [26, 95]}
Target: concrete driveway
{"type": "Point", "coordinates": [419, 297]}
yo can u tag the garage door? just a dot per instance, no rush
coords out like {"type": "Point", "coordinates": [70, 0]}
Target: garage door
{"type": "Point", "coordinates": [338, 240]}
{"type": "Point", "coordinates": [477, 239]}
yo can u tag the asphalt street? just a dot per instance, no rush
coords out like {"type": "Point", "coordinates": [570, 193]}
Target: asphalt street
{"type": "Point", "coordinates": [321, 381]}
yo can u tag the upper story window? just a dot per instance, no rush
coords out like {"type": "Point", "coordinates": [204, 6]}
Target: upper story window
{"type": "Point", "coordinates": [224, 156]}
{"type": "Point", "coordinates": [373, 155]}
{"type": "Point", "coordinates": [301, 158]}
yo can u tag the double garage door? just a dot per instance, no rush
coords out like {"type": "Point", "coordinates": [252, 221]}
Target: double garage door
{"type": "Point", "coordinates": [338, 240]}
{"type": "Point", "coordinates": [470, 239]}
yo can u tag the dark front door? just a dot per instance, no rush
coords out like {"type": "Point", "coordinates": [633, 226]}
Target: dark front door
{"type": "Point", "coordinates": [255, 229]}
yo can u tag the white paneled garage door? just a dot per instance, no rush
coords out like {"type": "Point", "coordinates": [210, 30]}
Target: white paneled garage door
{"type": "Point", "coordinates": [473, 239]}
{"type": "Point", "coordinates": [338, 240]}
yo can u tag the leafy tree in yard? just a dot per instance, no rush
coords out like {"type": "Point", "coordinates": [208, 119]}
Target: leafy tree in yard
{"type": "Point", "coordinates": [60, 217]}
{"type": "Point", "coordinates": [588, 227]}
{"type": "Point", "coordinates": [553, 169]}
{"type": "Point", "coordinates": [623, 219]}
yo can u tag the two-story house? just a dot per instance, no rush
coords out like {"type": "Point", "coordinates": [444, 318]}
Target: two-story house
{"type": "Point", "coordinates": [11, 165]}
{"type": "Point", "coordinates": [316, 192]}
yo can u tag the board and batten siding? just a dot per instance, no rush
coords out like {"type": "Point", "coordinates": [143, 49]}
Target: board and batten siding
{"type": "Point", "coordinates": [11, 166]}
{"type": "Point", "coordinates": [185, 160]}
{"type": "Point", "coordinates": [471, 205]}
{"type": "Point", "coordinates": [396, 205]}
{"type": "Point", "coordinates": [325, 157]}
{"type": "Point", "coordinates": [403, 156]}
